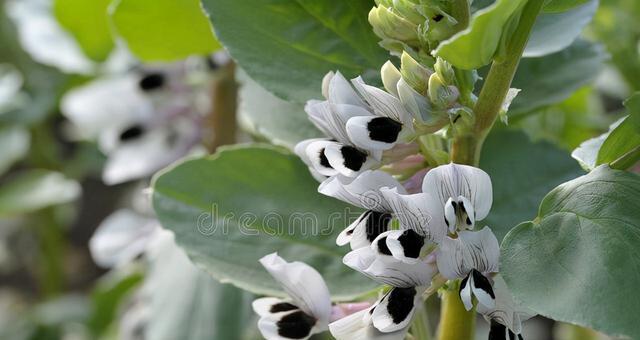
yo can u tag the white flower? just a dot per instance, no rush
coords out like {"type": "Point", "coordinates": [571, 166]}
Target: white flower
{"type": "Point", "coordinates": [506, 316]}
{"type": "Point", "coordinates": [472, 256]}
{"type": "Point", "coordinates": [306, 313]}
{"type": "Point", "coordinates": [364, 191]}
{"type": "Point", "coordinates": [463, 190]}
{"type": "Point", "coordinates": [358, 326]}
{"type": "Point", "coordinates": [121, 237]}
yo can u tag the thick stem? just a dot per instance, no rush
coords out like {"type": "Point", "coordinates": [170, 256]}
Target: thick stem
{"type": "Point", "coordinates": [221, 121]}
{"type": "Point", "coordinates": [495, 88]}
{"type": "Point", "coordinates": [455, 322]}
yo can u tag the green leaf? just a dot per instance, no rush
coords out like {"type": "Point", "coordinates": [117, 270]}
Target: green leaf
{"type": "Point", "coordinates": [287, 46]}
{"type": "Point", "coordinates": [578, 261]}
{"type": "Point", "coordinates": [229, 210]}
{"type": "Point", "coordinates": [562, 5]}
{"type": "Point", "coordinates": [187, 303]}
{"type": "Point", "coordinates": [88, 22]}
{"type": "Point", "coordinates": [107, 297]}
{"type": "Point", "coordinates": [164, 30]}
{"type": "Point", "coordinates": [15, 145]}
{"type": "Point", "coordinates": [34, 190]}
{"type": "Point", "coordinates": [553, 78]}
{"type": "Point", "coordinates": [522, 172]}
{"type": "Point", "coordinates": [623, 138]}
{"type": "Point", "coordinates": [476, 46]}
{"type": "Point", "coordinates": [274, 119]}
{"type": "Point", "coordinates": [554, 32]}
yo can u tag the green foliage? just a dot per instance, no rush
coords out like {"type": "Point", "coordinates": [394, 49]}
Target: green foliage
{"type": "Point", "coordinates": [288, 46]}
{"type": "Point", "coordinates": [229, 210]}
{"type": "Point", "coordinates": [477, 45]}
{"type": "Point", "coordinates": [522, 172]}
{"type": "Point", "coordinates": [562, 5]}
{"type": "Point", "coordinates": [269, 117]}
{"type": "Point", "coordinates": [164, 30]}
{"type": "Point", "coordinates": [88, 22]}
{"type": "Point", "coordinates": [107, 297]}
{"type": "Point", "coordinates": [554, 32]}
{"type": "Point", "coordinates": [553, 78]}
{"type": "Point", "coordinates": [36, 189]}
{"type": "Point", "coordinates": [578, 260]}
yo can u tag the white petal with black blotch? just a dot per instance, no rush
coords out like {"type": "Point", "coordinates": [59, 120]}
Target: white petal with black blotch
{"type": "Point", "coordinates": [396, 309]}
{"type": "Point", "coordinates": [303, 284]}
{"type": "Point", "coordinates": [388, 270]}
{"type": "Point", "coordinates": [374, 132]}
{"type": "Point", "coordinates": [301, 150]}
{"type": "Point", "coordinates": [506, 311]}
{"type": "Point", "coordinates": [362, 191]}
{"type": "Point", "coordinates": [453, 181]}
{"type": "Point", "coordinates": [281, 319]}
{"type": "Point", "coordinates": [383, 103]}
{"type": "Point", "coordinates": [348, 160]}
{"type": "Point", "coordinates": [358, 326]}
{"type": "Point", "coordinates": [332, 118]}
{"type": "Point", "coordinates": [365, 229]}
{"type": "Point", "coordinates": [478, 286]}
{"type": "Point", "coordinates": [420, 212]}
{"type": "Point", "coordinates": [499, 332]}
{"type": "Point", "coordinates": [316, 154]}
{"type": "Point", "coordinates": [405, 245]}
{"type": "Point", "coordinates": [459, 214]}
{"type": "Point", "coordinates": [470, 250]}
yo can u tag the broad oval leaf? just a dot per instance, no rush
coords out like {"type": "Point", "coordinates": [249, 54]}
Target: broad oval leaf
{"type": "Point", "coordinates": [522, 172]}
{"type": "Point", "coordinates": [562, 5]}
{"type": "Point", "coordinates": [269, 117]}
{"type": "Point", "coordinates": [287, 46]}
{"type": "Point", "coordinates": [553, 78]}
{"type": "Point", "coordinates": [476, 46]}
{"type": "Point", "coordinates": [229, 210]}
{"type": "Point", "coordinates": [554, 32]}
{"type": "Point", "coordinates": [34, 190]}
{"type": "Point", "coordinates": [164, 30]}
{"type": "Point", "coordinates": [88, 22]}
{"type": "Point", "coordinates": [578, 261]}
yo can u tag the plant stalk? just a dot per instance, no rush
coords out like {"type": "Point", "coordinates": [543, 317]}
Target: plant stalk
{"type": "Point", "coordinates": [466, 148]}
{"type": "Point", "coordinates": [455, 322]}
{"type": "Point", "coordinates": [221, 121]}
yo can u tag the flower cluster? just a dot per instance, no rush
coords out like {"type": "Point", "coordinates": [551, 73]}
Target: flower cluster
{"type": "Point", "coordinates": [434, 240]}
{"type": "Point", "coordinates": [146, 118]}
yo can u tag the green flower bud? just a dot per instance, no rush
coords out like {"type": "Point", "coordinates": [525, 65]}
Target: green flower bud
{"type": "Point", "coordinates": [390, 77]}
{"type": "Point", "coordinates": [445, 71]}
{"type": "Point", "coordinates": [414, 74]}
{"type": "Point", "coordinates": [441, 95]}
{"type": "Point", "coordinates": [388, 25]}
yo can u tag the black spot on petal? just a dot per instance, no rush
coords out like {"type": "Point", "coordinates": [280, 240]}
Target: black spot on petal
{"type": "Point", "coordinates": [463, 284]}
{"type": "Point", "coordinates": [282, 307]}
{"type": "Point", "coordinates": [412, 243]}
{"type": "Point", "coordinates": [438, 17]}
{"type": "Point", "coordinates": [382, 246]}
{"type": "Point", "coordinates": [151, 81]}
{"type": "Point", "coordinates": [212, 65]}
{"type": "Point", "coordinates": [353, 158]}
{"type": "Point", "coordinates": [498, 331]}
{"type": "Point", "coordinates": [132, 132]}
{"type": "Point", "coordinates": [296, 325]}
{"type": "Point", "coordinates": [384, 129]}
{"type": "Point", "coordinates": [400, 303]}
{"type": "Point", "coordinates": [377, 223]}
{"type": "Point", "coordinates": [481, 282]}
{"type": "Point", "coordinates": [468, 221]}
{"type": "Point", "coordinates": [323, 160]}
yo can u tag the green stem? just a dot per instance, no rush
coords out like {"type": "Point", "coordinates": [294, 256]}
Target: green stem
{"type": "Point", "coordinates": [466, 148]}
{"type": "Point", "coordinates": [627, 160]}
{"type": "Point", "coordinates": [420, 327]}
{"type": "Point", "coordinates": [51, 253]}
{"type": "Point", "coordinates": [221, 121]}
{"type": "Point", "coordinates": [455, 322]}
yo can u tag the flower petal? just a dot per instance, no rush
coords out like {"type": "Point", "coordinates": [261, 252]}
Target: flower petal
{"type": "Point", "coordinates": [454, 180]}
{"type": "Point", "coordinates": [358, 326]}
{"type": "Point", "coordinates": [365, 229]}
{"type": "Point", "coordinates": [405, 245]}
{"type": "Point", "coordinates": [316, 153]}
{"type": "Point", "coordinates": [395, 310]}
{"type": "Point", "coordinates": [348, 160]}
{"type": "Point", "coordinates": [471, 250]}
{"type": "Point", "coordinates": [373, 132]}
{"type": "Point", "coordinates": [340, 91]}
{"type": "Point", "coordinates": [270, 305]}
{"type": "Point", "coordinates": [419, 212]}
{"type": "Point", "coordinates": [383, 103]}
{"type": "Point", "coordinates": [465, 293]}
{"type": "Point", "coordinates": [294, 324]}
{"type": "Point", "coordinates": [505, 311]}
{"type": "Point", "coordinates": [390, 271]}
{"type": "Point", "coordinates": [303, 284]}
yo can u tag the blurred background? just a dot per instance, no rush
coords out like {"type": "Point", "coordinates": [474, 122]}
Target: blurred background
{"type": "Point", "coordinates": [84, 124]}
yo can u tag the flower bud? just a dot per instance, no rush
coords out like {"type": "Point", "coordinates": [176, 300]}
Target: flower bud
{"type": "Point", "coordinates": [444, 71]}
{"type": "Point", "coordinates": [388, 25]}
{"type": "Point", "coordinates": [390, 77]}
{"type": "Point", "coordinates": [414, 74]}
{"type": "Point", "coordinates": [441, 95]}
